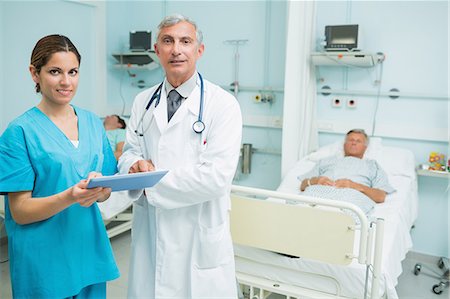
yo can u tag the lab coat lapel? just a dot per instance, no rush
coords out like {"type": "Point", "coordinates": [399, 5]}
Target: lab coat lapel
{"type": "Point", "coordinates": [160, 112]}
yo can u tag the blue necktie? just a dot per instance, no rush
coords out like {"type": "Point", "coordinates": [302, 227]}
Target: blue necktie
{"type": "Point", "coordinates": [173, 102]}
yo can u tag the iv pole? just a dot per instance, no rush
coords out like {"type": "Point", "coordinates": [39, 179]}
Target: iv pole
{"type": "Point", "coordinates": [237, 43]}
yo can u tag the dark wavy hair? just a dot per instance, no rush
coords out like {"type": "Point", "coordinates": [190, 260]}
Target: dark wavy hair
{"type": "Point", "coordinates": [121, 121]}
{"type": "Point", "coordinates": [46, 47]}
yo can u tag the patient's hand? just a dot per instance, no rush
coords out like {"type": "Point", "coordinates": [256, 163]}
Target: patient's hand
{"type": "Point", "coordinates": [326, 181]}
{"type": "Point", "coordinates": [344, 183]}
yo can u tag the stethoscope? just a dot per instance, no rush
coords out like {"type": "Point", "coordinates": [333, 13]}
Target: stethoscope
{"type": "Point", "coordinates": [198, 126]}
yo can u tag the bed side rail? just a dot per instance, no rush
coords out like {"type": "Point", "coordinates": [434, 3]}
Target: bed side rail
{"type": "Point", "coordinates": [301, 230]}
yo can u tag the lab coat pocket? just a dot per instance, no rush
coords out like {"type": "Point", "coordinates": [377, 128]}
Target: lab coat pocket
{"type": "Point", "coordinates": [197, 146]}
{"type": "Point", "coordinates": [215, 247]}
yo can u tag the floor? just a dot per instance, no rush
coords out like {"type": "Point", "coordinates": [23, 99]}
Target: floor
{"type": "Point", "coordinates": [410, 286]}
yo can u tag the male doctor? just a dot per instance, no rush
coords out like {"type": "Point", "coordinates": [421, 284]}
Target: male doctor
{"type": "Point", "coordinates": [181, 243]}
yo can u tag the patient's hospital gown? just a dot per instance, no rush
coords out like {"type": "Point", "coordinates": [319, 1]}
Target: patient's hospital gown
{"type": "Point", "coordinates": [362, 171]}
{"type": "Point", "coordinates": [56, 257]}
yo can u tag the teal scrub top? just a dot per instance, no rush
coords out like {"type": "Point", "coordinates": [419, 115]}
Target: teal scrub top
{"type": "Point", "coordinates": [56, 257]}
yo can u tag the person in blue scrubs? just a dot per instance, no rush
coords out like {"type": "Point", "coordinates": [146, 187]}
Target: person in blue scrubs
{"type": "Point", "coordinates": [57, 242]}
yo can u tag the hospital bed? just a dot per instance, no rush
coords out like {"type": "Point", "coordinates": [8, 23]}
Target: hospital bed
{"type": "Point", "coordinates": [117, 213]}
{"type": "Point", "coordinates": [339, 255]}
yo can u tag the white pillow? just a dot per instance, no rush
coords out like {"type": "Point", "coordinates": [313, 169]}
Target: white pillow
{"type": "Point", "coordinates": [290, 183]}
{"type": "Point", "coordinates": [337, 149]}
{"type": "Point", "coordinates": [375, 147]}
{"type": "Point", "coordinates": [397, 161]}
{"type": "Point", "coordinates": [333, 149]}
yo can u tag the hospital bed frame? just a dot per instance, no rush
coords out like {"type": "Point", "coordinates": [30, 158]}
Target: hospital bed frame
{"type": "Point", "coordinates": [317, 229]}
{"type": "Point", "coordinates": [119, 223]}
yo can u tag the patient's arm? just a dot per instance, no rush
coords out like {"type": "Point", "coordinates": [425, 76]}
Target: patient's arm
{"type": "Point", "coordinates": [119, 149]}
{"type": "Point", "coordinates": [376, 195]}
{"type": "Point", "coordinates": [321, 180]}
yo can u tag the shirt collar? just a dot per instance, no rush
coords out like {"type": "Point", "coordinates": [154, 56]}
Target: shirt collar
{"type": "Point", "coordinates": [184, 89]}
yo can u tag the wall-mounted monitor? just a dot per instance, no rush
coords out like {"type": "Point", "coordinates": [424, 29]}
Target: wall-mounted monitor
{"type": "Point", "coordinates": [341, 37]}
{"type": "Point", "coordinates": [140, 41]}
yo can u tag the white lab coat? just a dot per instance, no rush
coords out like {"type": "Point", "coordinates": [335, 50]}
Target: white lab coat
{"type": "Point", "coordinates": [181, 242]}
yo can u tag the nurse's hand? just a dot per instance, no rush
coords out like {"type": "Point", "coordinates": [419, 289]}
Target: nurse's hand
{"type": "Point", "coordinates": [142, 166]}
{"type": "Point", "coordinates": [86, 197]}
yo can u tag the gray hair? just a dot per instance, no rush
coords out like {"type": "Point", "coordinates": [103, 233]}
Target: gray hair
{"type": "Point", "coordinates": [178, 18]}
{"type": "Point", "coordinates": [359, 131]}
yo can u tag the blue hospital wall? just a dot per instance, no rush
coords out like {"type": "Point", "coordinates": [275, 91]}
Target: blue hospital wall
{"type": "Point", "coordinates": [414, 37]}
{"type": "Point", "coordinates": [37, 19]}
{"type": "Point", "coordinates": [261, 63]}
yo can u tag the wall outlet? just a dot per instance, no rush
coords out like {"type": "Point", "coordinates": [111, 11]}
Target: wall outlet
{"type": "Point", "coordinates": [257, 98]}
{"type": "Point", "coordinates": [336, 102]}
{"type": "Point", "coordinates": [267, 98]}
{"type": "Point", "coordinates": [351, 103]}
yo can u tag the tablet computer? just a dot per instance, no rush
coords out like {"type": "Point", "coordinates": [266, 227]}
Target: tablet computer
{"type": "Point", "coordinates": [131, 181]}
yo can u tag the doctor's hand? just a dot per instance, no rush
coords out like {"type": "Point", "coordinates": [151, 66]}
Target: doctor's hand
{"type": "Point", "coordinates": [86, 197]}
{"type": "Point", "coordinates": [142, 166]}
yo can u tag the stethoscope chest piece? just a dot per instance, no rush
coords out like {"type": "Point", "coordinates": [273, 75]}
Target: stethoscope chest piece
{"type": "Point", "coordinates": [198, 126]}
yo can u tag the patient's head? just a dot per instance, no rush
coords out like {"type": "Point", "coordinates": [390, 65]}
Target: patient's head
{"type": "Point", "coordinates": [356, 143]}
{"type": "Point", "coordinates": [113, 122]}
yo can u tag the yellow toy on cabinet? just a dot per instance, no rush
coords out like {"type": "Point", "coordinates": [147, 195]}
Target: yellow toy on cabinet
{"type": "Point", "coordinates": [437, 161]}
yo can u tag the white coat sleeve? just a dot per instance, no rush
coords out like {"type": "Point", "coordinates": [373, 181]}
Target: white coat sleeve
{"type": "Point", "coordinates": [212, 176]}
{"type": "Point", "coordinates": [132, 150]}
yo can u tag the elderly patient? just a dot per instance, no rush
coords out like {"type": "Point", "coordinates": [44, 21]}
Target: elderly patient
{"type": "Point", "coordinates": [350, 178]}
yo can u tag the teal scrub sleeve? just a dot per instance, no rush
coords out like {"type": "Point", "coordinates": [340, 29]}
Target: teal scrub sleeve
{"type": "Point", "coordinates": [109, 166]}
{"type": "Point", "coordinates": [16, 171]}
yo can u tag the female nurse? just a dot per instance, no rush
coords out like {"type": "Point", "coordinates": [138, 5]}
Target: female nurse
{"type": "Point", "coordinates": [58, 246]}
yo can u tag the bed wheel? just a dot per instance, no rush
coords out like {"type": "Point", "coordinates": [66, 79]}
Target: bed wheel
{"type": "Point", "coordinates": [437, 288]}
{"type": "Point", "coordinates": [417, 269]}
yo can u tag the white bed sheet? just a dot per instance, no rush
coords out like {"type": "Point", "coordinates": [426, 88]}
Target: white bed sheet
{"type": "Point", "coordinates": [117, 203]}
{"type": "Point", "coordinates": [399, 212]}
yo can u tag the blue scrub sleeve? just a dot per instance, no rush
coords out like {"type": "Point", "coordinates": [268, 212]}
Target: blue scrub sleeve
{"type": "Point", "coordinates": [16, 171]}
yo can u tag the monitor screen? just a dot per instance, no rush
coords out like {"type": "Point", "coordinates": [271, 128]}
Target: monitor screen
{"type": "Point", "coordinates": [140, 40]}
{"type": "Point", "coordinates": [341, 36]}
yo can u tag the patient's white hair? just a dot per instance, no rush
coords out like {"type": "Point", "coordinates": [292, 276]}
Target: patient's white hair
{"type": "Point", "coordinates": [359, 131]}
